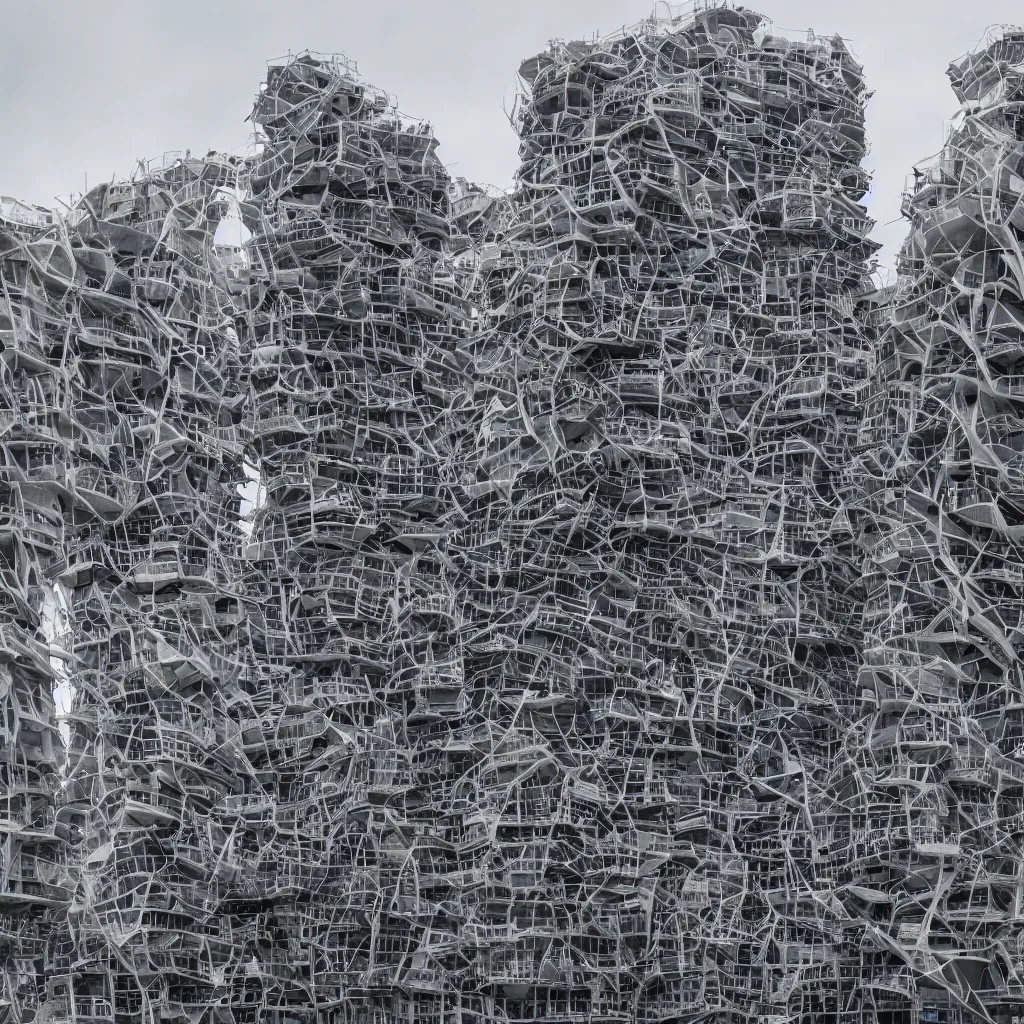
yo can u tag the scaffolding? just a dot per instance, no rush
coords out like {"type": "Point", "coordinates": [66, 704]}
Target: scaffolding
{"type": "Point", "coordinates": [625, 623]}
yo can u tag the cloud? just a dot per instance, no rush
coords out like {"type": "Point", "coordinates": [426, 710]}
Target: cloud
{"type": "Point", "coordinates": [90, 90]}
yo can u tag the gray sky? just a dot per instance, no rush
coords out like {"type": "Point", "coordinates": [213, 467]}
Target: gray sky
{"type": "Point", "coordinates": [88, 88]}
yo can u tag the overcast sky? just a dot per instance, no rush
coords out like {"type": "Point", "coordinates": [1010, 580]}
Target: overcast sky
{"type": "Point", "coordinates": [88, 88]}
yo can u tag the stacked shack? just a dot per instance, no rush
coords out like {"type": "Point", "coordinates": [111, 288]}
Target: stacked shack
{"type": "Point", "coordinates": [932, 778]}
{"type": "Point", "coordinates": [355, 713]}
{"type": "Point", "coordinates": [671, 377]}
{"type": "Point", "coordinates": [626, 625]}
{"type": "Point", "coordinates": [150, 408]}
{"type": "Point", "coordinates": [36, 274]}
